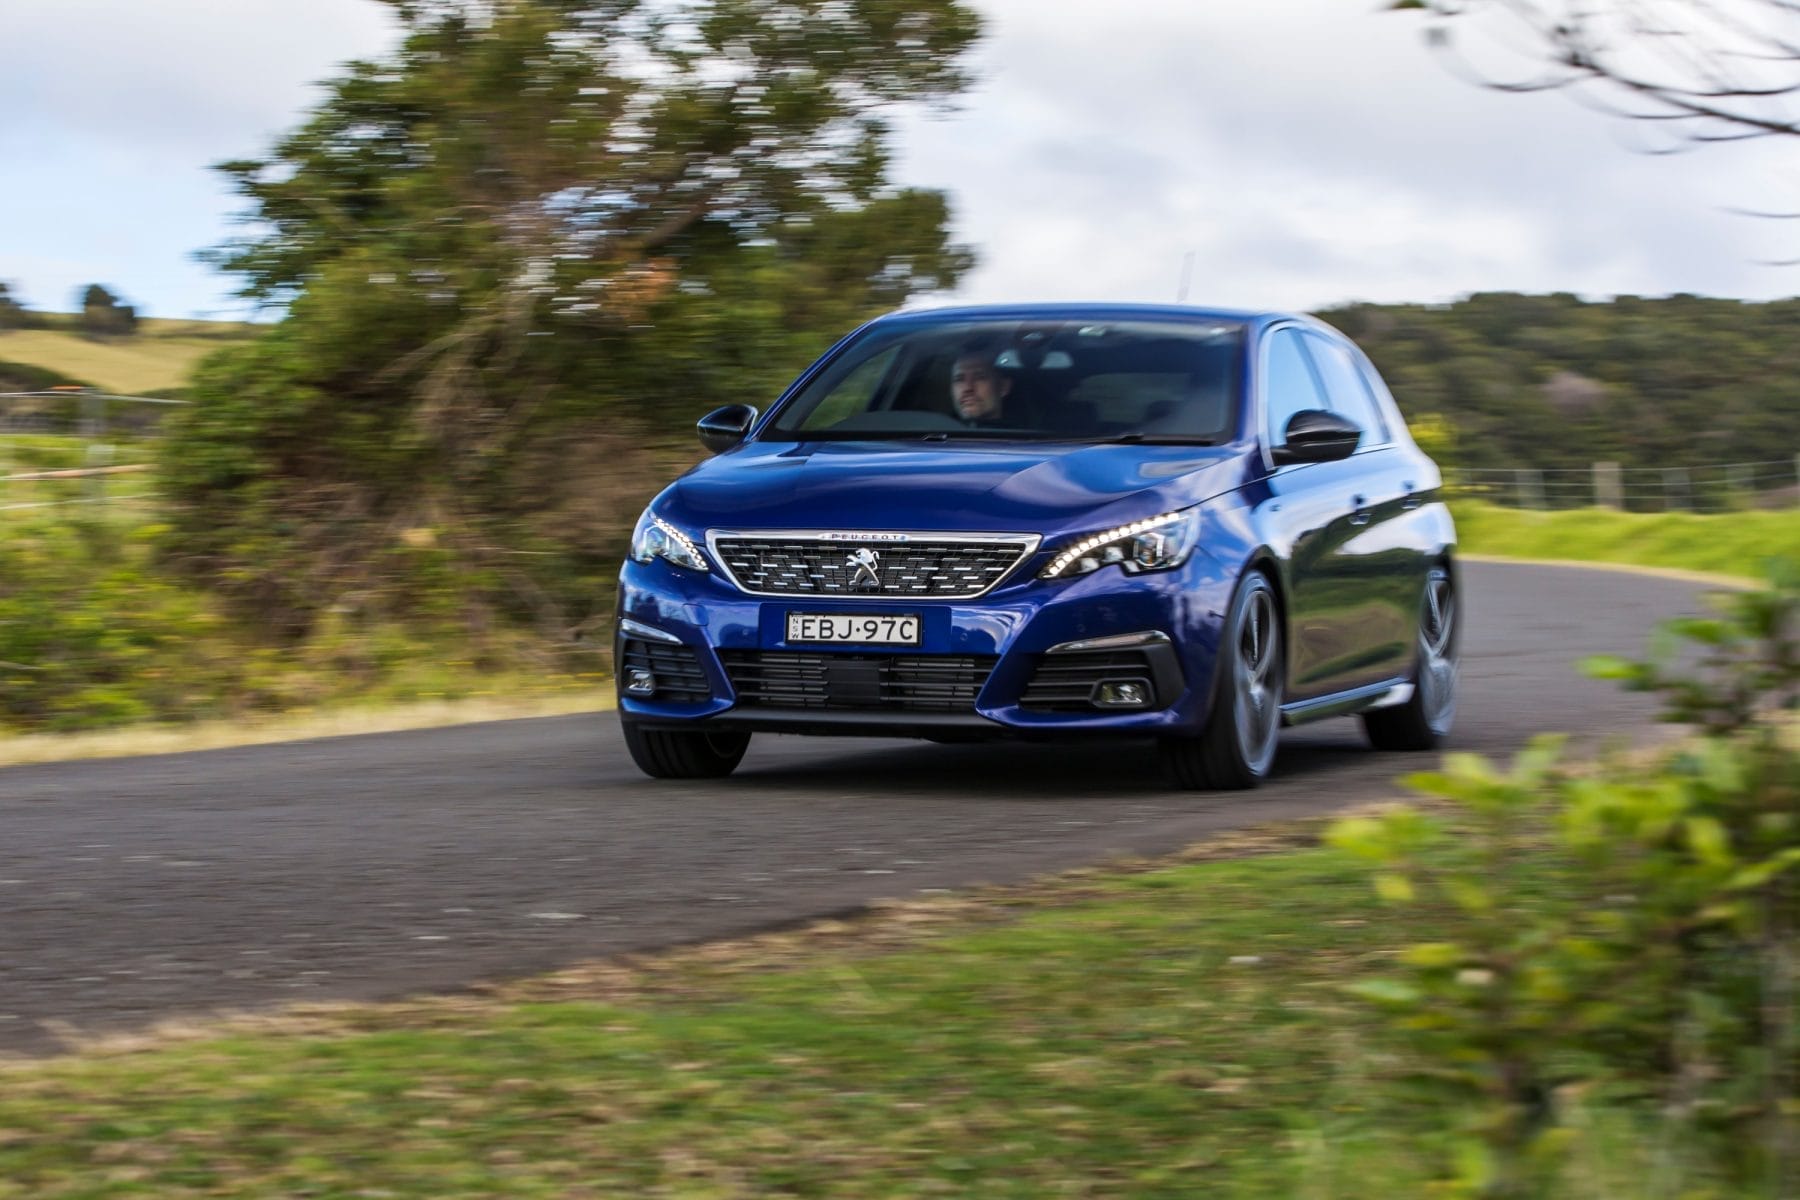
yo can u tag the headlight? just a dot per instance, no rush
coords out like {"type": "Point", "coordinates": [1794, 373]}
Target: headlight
{"type": "Point", "coordinates": [1153, 544]}
{"type": "Point", "coordinates": [655, 537]}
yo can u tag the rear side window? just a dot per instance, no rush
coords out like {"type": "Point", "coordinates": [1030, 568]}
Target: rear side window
{"type": "Point", "coordinates": [1347, 390]}
{"type": "Point", "coordinates": [1288, 384]}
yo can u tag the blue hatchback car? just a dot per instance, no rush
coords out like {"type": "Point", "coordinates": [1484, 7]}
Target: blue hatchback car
{"type": "Point", "coordinates": [1049, 521]}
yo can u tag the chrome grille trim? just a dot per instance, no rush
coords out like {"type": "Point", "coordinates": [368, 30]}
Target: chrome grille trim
{"type": "Point", "coordinates": [809, 563]}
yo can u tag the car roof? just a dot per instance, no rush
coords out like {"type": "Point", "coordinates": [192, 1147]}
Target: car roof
{"type": "Point", "coordinates": [1109, 311]}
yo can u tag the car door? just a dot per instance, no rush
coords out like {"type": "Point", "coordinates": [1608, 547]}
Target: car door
{"type": "Point", "coordinates": [1307, 521]}
{"type": "Point", "coordinates": [1374, 563]}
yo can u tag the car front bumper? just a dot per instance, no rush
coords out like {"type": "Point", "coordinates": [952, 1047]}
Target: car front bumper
{"type": "Point", "coordinates": [691, 650]}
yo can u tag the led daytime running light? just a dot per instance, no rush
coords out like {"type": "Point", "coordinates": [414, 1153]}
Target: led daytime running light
{"type": "Point", "coordinates": [1094, 541]}
{"type": "Point", "coordinates": [686, 542]}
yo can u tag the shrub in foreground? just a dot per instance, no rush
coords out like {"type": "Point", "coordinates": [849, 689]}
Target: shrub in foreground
{"type": "Point", "coordinates": [1628, 934]}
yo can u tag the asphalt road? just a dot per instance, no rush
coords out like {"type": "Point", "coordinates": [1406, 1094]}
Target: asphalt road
{"type": "Point", "coordinates": [366, 867]}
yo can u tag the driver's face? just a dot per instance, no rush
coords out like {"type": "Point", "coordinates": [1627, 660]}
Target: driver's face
{"type": "Point", "coordinates": [977, 388]}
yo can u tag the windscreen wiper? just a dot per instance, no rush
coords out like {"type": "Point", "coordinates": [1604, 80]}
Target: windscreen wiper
{"type": "Point", "coordinates": [1149, 439]}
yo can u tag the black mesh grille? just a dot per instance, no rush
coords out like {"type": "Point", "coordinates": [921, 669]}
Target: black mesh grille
{"type": "Point", "coordinates": [781, 679]}
{"type": "Point", "coordinates": [802, 567]}
{"type": "Point", "coordinates": [679, 676]}
{"type": "Point", "coordinates": [1065, 682]}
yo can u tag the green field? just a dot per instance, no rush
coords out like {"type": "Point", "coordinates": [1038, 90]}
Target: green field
{"type": "Point", "coordinates": [1723, 543]}
{"type": "Point", "coordinates": [161, 355]}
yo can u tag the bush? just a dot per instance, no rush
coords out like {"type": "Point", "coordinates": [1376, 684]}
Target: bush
{"type": "Point", "coordinates": [1627, 933]}
{"type": "Point", "coordinates": [90, 636]}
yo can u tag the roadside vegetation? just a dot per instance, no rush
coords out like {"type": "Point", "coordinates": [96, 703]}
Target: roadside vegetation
{"type": "Point", "coordinates": [1737, 544]}
{"type": "Point", "coordinates": [1554, 980]}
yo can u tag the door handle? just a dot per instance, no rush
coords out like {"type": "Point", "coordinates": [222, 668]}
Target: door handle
{"type": "Point", "coordinates": [1413, 499]}
{"type": "Point", "coordinates": [1363, 514]}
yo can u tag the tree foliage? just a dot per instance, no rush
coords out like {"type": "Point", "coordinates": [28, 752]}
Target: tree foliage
{"type": "Point", "coordinates": [540, 226]}
{"type": "Point", "coordinates": [1558, 382]}
{"type": "Point", "coordinates": [102, 314]}
{"type": "Point", "coordinates": [14, 315]}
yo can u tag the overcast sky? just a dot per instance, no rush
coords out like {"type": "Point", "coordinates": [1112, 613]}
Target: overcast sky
{"type": "Point", "coordinates": [1304, 152]}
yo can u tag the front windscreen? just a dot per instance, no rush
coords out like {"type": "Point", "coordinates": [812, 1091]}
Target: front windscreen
{"type": "Point", "coordinates": [1061, 380]}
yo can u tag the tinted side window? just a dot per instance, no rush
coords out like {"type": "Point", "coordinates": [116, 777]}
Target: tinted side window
{"type": "Point", "coordinates": [1288, 383]}
{"type": "Point", "coordinates": [1346, 389]}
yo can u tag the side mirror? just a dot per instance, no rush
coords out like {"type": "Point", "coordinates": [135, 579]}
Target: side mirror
{"type": "Point", "coordinates": [1314, 435]}
{"type": "Point", "coordinates": [723, 428]}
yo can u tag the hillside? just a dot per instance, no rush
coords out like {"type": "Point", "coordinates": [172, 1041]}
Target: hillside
{"type": "Point", "coordinates": [1559, 382]}
{"type": "Point", "coordinates": [160, 355]}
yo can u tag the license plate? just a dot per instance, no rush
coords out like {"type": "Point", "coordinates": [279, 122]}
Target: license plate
{"type": "Point", "coordinates": [887, 629]}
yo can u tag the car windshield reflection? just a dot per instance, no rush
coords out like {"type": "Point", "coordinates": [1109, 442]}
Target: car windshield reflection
{"type": "Point", "coordinates": [1092, 382]}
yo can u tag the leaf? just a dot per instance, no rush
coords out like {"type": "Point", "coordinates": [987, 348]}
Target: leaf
{"type": "Point", "coordinates": [1432, 955]}
{"type": "Point", "coordinates": [1396, 889]}
{"type": "Point", "coordinates": [1361, 836]}
{"type": "Point", "coordinates": [1469, 896]}
{"type": "Point", "coordinates": [1757, 875]}
{"type": "Point", "coordinates": [1709, 841]}
{"type": "Point", "coordinates": [1608, 666]}
{"type": "Point", "coordinates": [1390, 992]}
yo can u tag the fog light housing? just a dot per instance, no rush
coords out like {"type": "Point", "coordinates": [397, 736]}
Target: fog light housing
{"type": "Point", "coordinates": [1122, 693]}
{"type": "Point", "coordinates": [639, 681]}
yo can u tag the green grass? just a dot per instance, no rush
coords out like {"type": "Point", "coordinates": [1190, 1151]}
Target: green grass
{"type": "Point", "coordinates": [1174, 1033]}
{"type": "Point", "coordinates": [1724, 543]}
{"type": "Point", "coordinates": [161, 355]}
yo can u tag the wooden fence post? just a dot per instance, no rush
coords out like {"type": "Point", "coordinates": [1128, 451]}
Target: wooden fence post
{"type": "Point", "coordinates": [1675, 488]}
{"type": "Point", "coordinates": [1608, 492]}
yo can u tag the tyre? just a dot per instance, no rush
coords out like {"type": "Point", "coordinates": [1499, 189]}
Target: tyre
{"type": "Point", "coordinates": [684, 753]}
{"type": "Point", "coordinates": [1237, 747]}
{"type": "Point", "coordinates": [1422, 722]}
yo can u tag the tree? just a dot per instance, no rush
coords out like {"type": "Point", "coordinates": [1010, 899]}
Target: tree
{"type": "Point", "coordinates": [103, 315]}
{"type": "Point", "coordinates": [1691, 70]}
{"type": "Point", "coordinates": [13, 315]}
{"type": "Point", "coordinates": [538, 224]}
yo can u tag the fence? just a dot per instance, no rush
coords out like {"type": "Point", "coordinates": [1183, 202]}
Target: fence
{"type": "Point", "coordinates": [71, 446]}
{"type": "Point", "coordinates": [1721, 487]}
{"type": "Point", "coordinates": [74, 446]}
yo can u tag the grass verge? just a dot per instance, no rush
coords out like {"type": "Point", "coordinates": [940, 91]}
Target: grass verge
{"type": "Point", "coordinates": [1103, 1048]}
{"type": "Point", "coordinates": [517, 699]}
{"type": "Point", "coordinates": [1161, 1033]}
{"type": "Point", "coordinates": [1730, 544]}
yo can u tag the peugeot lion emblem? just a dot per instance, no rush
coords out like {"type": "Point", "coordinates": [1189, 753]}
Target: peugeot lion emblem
{"type": "Point", "coordinates": [867, 563]}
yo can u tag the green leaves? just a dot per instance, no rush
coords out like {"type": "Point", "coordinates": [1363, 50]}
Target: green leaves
{"type": "Point", "coordinates": [515, 245]}
{"type": "Point", "coordinates": [1610, 925]}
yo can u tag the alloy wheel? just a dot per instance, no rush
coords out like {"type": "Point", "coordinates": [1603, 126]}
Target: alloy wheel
{"type": "Point", "coordinates": [1257, 703]}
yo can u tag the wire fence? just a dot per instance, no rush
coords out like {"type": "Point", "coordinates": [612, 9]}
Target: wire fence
{"type": "Point", "coordinates": [69, 447]}
{"type": "Point", "coordinates": [73, 446]}
{"type": "Point", "coordinates": [1715, 487]}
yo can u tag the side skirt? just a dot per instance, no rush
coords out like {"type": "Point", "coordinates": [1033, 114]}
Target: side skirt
{"type": "Point", "coordinates": [1340, 704]}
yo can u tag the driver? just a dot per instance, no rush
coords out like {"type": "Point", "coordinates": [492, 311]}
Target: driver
{"type": "Point", "coordinates": [978, 388]}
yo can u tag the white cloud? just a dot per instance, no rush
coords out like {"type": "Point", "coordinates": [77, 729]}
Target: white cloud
{"type": "Point", "coordinates": [1304, 151]}
{"type": "Point", "coordinates": [1307, 152]}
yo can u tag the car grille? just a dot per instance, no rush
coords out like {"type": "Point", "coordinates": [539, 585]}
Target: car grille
{"type": "Point", "coordinates": [947, 567]}
{"type": "Point", "coordinates": [679, 677]}
{"type": "Point", "coordinates": [911, 683]}
{"type": "Point", "coordinates": [1066, 682]}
